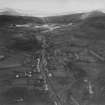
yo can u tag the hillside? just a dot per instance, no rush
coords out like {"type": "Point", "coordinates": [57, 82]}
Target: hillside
{"type": "Point", "coordinates": [52, 60]}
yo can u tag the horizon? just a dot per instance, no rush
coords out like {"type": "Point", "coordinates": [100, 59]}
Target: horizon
{"type": "Point", "coordinates": [53, 7]}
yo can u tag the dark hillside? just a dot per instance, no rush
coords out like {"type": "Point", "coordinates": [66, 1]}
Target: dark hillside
{"type": "Point", "coordinates": [6, 20]}
{"type": "Point", "coordinates": [64, 19]}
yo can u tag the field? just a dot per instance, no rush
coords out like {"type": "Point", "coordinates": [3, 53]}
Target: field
{"type": "Point", "coordinates": [58, 60]}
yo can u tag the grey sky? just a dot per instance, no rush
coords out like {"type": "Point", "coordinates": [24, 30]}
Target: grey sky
{"type": "Point", "coordinates": [50, 7]}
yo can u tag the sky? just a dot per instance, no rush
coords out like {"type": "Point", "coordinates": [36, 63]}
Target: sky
{"type": "Point", "coordinates": [53, 7]}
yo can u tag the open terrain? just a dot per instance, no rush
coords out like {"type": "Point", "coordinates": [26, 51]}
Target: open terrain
{"type": "Point", "coordinates": [57, 60]}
